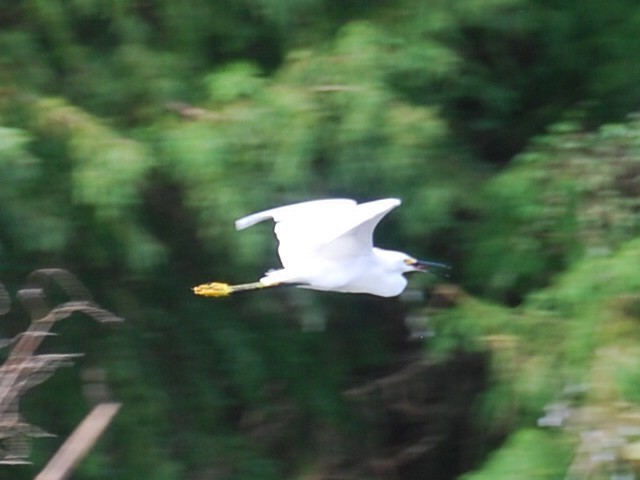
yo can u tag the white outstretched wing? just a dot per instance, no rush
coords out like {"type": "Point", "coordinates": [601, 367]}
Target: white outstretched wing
{"type": "Point", "coordinates": [296, 210]}
{"type": "Point", "coordinates": [333, 228]}
{"type": "Point", "coordinates": [355, 236]}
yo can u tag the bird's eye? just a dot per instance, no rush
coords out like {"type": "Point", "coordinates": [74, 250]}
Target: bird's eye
{"type": "Point", "coordinates": [410, 261]}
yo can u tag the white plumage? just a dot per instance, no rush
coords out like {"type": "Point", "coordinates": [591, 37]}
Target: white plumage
{"type": "Point", "coordinates": [328, 245]}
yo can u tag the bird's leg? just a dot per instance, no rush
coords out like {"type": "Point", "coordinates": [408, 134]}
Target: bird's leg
{"type": "Point", "coordinates": [217, 289]}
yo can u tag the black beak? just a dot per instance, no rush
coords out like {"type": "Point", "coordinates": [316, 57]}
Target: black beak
{"type": "Point", "coordinates": [431, 267]}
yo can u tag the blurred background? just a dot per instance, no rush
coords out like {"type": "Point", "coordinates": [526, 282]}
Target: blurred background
{"type": "Point", "coordinates": [134, 132]}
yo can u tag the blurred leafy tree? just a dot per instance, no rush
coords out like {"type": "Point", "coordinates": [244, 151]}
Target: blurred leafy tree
{"type": "Point", "coordinates": [314, 128]}
{"type": "Point", "coordinates": [322, 126]}
{"type": "Point", "coordinates": [513, 67]}
{"type": "Point", "coordinates": [24, 212]}
{"type": "Point", "coordinates": [134, 133]}
{"type": "Point", "coordinates": [571, 193]}
{"type": "Point", "coordinates": [528, 454]}
{"type": "Point", "coordinates": [572, 346]}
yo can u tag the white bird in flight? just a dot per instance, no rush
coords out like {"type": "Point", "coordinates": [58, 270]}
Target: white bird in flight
{"type": "Point", "coordinates": [328, 245]}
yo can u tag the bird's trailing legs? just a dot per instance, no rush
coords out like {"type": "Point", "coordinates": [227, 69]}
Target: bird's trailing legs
{"type": "Point", "coordinates": [218, 289]}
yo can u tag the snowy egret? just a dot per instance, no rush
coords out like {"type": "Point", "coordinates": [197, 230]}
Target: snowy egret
{"type": "Point", "coordinates": [328, 245]}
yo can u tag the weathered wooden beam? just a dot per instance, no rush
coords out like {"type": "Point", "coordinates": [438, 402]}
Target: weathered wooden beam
{"type": "Point", "coordinates": [74, 449]}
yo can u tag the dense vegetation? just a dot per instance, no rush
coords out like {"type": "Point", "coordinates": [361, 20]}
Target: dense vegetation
{"type": "Point", "coordinates": [133, 133]}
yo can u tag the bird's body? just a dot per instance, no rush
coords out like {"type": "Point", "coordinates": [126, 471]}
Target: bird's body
{"type": "Point", "coordinates": [365, 273]}
{"type": "Point", "coordinates": [328, 245]}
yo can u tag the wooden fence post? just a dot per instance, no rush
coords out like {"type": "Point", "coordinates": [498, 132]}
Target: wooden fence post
{"type": "Point", "coordinates": [74, 449]}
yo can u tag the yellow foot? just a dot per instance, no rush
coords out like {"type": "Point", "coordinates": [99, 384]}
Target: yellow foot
{"type": "Point", "coordinates": [214, 289]}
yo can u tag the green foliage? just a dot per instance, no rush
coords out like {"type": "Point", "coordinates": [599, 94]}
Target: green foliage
{"type": "Point", "coordinates": [234, 82]}
{"type": "Point", "coordinates": [96, 171]}
{"type": "Point", "coordinates": [233, 453]}
{"type": "Point", "coordinates": [137, 443]}
{"type": "Point", "coordinates": [594, 281]}
{"type": "Point", "coordinates": [527, 371]}
{"type": "Point", "coordinates": [598, 297]}
{"type": "Point", "coordinates": [528, 454]}
{"type": "Point", "coordinates": [581, 330]}
{"type": "Point", "coordinates": [321, 125]}
{"type": "Point", "coordinates": [571, 193]}
{"type": "Point", "coordinates": [106, 168]}
{"type": "Point", "coordinates": [628, 377]}
{"type": "Point", "coordinates": [27, 219]}
{"type": "Point", "coordinates": [133, 134]}
{"type": "Point", "coordinates": [512, 67]}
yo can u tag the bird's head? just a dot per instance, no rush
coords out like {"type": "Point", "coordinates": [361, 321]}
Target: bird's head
{"type": "Point", "coordinates": [404, 263]}
{"type": "Point", "coordinates": [414, 265]}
